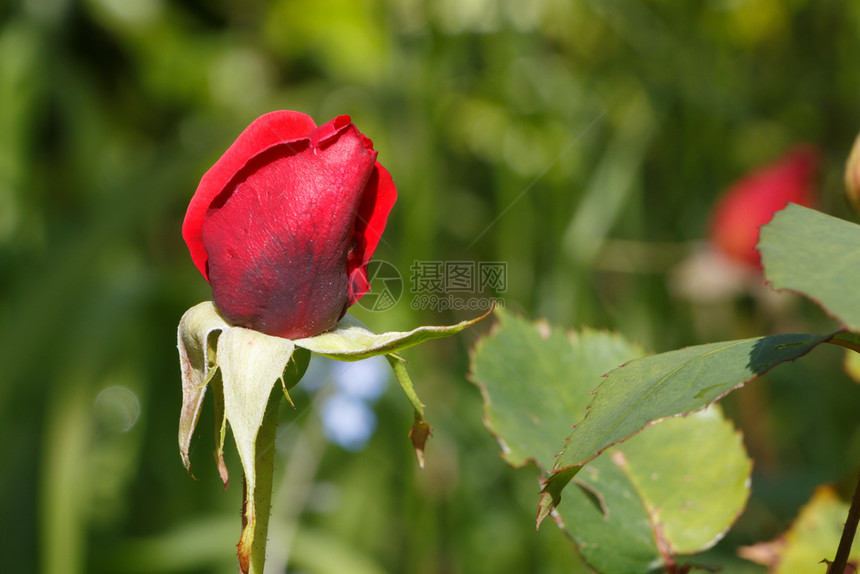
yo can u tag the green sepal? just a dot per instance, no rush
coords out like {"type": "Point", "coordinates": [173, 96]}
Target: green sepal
{"type": "Point", "coordinates": [351, 340]}
{"type": "Point", "coordinates": [242, 367]}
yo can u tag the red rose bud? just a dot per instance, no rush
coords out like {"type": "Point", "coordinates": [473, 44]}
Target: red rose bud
{"type": "Point", "coordinates": [285, 222]}
{"type": "Point", "coordinates": [751, 202]}
{"type": "Point", "coordinates": [852, 176]}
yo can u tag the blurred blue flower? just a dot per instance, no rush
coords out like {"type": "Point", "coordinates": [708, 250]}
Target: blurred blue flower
{"type": "Point", "coordinates": [365, 380]}
{"type": "Point", "coordinates": [347, 410]}
{"type": "Point", "coordinates": [347, 421]}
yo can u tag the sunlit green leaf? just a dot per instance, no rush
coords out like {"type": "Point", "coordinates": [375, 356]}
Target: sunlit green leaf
{"type": "Point", "coordinates": [817, 255]}
{"type": "Point", "coordinates": [672, 489]}
{"type": "Point", "coordinates": [691, 474]}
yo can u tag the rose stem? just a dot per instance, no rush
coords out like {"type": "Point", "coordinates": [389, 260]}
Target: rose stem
{"type": "Point", "coordinates": [264, 467]}
{"type": "Point", "coordinates": [841, 560]}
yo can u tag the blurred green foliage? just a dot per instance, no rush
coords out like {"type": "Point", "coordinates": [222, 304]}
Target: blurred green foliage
{"type": "Point", "coordinates": [580, 141]}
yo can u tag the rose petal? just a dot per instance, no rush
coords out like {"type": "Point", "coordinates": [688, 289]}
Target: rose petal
{"type": "Point", "coordinates": [267, 130]}
{"type": "Point", "coordinates": [278, 234]}
{"type": "Point", "coordinates": [376, 204]}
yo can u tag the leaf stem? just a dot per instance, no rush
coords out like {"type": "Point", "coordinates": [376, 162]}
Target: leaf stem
{"type": "Point", "coordinates": [840, 562]}
{"type": "Point", "coordinates": [420, 431]}
{"type": "Point", "coordinates": [847, 340]}
{"type": "Point", "coordinates": [405, 381]}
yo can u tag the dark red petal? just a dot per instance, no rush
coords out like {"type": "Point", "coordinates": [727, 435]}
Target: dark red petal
{"type": "Point", "coordinates": [267, 130]}
{"type": "Point", "coordinates": [376, 204]}
{"type": "Point", "coordinates": [358, 284]}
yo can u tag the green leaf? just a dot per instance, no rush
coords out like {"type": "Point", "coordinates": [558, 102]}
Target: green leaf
{"type": "Point", "coordinates": [198, 329]}
{"type": "Point", "coordinates": [609, 525]}
{"type": "Point", "coordinates": [813, 537]}
{"type": "Point", "coordinates": [351, 340]}
{"type": "Point", "coordinates": [691, 474]}
{"type": "Point", "coordinates": [665, 385]}
{"type": "Point", "coordinates": [535, 382]}
{"type": "Point", "coordinates": [672, 489]}
{"type": "Point", "coordinates": [817, 255]}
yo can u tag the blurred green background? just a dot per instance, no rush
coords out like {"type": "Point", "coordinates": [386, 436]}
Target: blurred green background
{"type": "Point", "coordinates": [581, 142]}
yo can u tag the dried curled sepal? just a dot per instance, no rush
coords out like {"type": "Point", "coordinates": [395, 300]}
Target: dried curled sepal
{"type": "Point", "coordinates": [197, 338]}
